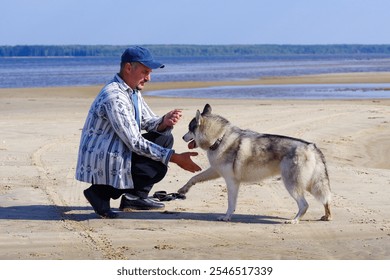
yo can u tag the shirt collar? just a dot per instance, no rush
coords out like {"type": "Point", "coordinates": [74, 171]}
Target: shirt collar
{"type": "Point", "coordinates": [123, 85]}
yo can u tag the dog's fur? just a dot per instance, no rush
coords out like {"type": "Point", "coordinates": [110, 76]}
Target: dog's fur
{"type": "Point", "coordinates": [240, 155]}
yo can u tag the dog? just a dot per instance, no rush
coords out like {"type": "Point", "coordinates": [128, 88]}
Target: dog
{"type": "Point", "coordinates": [240, 155]}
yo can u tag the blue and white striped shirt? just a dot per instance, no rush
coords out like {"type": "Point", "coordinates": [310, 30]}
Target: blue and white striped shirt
{"type": "Point", "coordinates": [111, 134]}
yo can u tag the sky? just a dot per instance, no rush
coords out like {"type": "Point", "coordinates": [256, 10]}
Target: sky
{"type": "Point", "coordinates": [214, 22]}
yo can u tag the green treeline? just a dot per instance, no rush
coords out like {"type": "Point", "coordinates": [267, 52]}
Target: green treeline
{"type": "Point", "coordinates": [192, 50]}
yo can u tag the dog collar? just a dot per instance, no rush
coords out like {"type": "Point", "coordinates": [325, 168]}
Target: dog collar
{"type": "Point", "coordinates": [216, 144]}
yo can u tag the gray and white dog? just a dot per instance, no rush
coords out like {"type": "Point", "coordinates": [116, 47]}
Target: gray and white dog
{"type": "Point", "coordinates": [240, 155]}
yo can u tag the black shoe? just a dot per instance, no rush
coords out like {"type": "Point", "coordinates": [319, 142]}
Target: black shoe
{"type": "Point", "coordinates": [99, 205]}
{"type": "Point", "coordinates": [129, 202]}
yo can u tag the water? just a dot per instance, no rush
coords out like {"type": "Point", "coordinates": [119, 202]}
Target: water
{"type": "Point", "coordinates": [55, 71]}
{"type": "Point", "coordinates": [85, 71]}
{"type": "Point", "coordinates": [318, 91]}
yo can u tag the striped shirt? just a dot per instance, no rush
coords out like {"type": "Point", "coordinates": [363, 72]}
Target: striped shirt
{"type": "Point", "coordinates": [111, 134]}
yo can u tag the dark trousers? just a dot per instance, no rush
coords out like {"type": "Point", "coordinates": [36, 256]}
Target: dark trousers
{"type": "Point", "coordinates": [145, 171]}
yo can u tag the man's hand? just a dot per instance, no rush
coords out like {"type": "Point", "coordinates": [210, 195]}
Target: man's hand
{"type": "Point", "coordinates": [184, 161]}
{"type": "Point", "coordinates": [170, 119]}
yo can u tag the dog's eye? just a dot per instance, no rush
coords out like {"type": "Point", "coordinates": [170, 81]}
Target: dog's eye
{"type": "Point", "coordinates": [192, 125]}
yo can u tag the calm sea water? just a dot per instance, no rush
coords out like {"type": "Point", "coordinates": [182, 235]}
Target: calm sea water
{"type": "Point", "coordinates": [84, 71]}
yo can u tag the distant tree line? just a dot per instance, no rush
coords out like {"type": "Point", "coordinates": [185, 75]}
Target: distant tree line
{"type": "Point", "coordinates": [192, 50]}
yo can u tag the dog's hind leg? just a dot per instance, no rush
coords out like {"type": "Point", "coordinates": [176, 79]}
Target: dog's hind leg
{"type": "Point", "coordinates": [321, 191]}
{"type": "Point", "coordinates": [297, 192]}
{"type": "Point", "coordinates": [327, 216]}
{"type": "Point", "coordinates": [323, 194]}
{"type": "Point", "coordinates": [232, 188]}
{"type": "Point", "coordinates": [294, 182]}
{"type": "Point", "coordinates": [207, 175]}
{"type": "Point", "coordinates": [302, 208]}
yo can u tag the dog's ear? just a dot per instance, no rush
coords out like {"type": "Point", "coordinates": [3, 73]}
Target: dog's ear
{"type": "Point", "coordinates": [206, 110]}
{"type": "Point", "coordinates": [198, 117]}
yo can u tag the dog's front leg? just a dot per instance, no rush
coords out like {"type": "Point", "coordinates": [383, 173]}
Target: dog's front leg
{"type": "Point", "coordinates": [208, 174]}
{"type": "Point", "coordinates": [232, 188]}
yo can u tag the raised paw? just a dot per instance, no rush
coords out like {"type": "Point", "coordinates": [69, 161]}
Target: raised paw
{"type": "Point", "coordinates": [183, 190]}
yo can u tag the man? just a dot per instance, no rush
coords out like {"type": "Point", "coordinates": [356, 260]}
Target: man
{"type": "Point", "coordinates": [113, 155]}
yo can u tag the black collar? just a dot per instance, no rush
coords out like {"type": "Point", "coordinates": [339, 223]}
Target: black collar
{"type": "Point", "coordinates": [216, 144]}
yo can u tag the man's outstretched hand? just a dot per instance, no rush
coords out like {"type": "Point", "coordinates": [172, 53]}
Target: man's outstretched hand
{"type": "Point", "coordinates": [184, 161]}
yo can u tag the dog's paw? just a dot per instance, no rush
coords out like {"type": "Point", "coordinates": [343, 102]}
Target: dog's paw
{"type": "Point", "coordinates": [183, 190]}
{"type": "Point", "coordinates": [326, 218]}
{"type": "Point", "coordinates": [292, 222]}
{"type": "Point", "coordinates": [225, 218]}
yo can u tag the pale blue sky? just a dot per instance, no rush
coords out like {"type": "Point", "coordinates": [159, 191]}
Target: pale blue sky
{"type": "Point", "coordinates": [125, 22]}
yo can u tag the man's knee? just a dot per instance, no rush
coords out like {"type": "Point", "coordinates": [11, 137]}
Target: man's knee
{"type": "Point", "coordinates": [163, 140]}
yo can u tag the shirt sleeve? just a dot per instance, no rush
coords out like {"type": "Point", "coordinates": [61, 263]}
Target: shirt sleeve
{"type": "Point", "coordinates": [120, 112]}
{"type": "Point", "coordinates": [150, 121]}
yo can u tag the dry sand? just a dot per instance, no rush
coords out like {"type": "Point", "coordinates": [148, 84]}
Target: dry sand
{"type": "Point", "coordinates": [44, 215]}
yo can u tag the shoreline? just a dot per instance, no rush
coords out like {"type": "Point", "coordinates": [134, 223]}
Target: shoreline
{"type": "Point", "coordinates": [91, 91]}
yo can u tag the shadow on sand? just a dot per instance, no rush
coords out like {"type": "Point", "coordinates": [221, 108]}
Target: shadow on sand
{"type": "Point", "coordinates": [53, 213]}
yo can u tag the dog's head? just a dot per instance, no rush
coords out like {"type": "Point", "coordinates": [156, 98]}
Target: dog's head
{"type": "Point", "coordinates": [193, 127]}
{"type": "Point", "coordinates": [206, 130]}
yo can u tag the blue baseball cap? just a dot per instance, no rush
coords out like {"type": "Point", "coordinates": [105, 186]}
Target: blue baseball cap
{"type": "Point", "coordinates": [141, 55]}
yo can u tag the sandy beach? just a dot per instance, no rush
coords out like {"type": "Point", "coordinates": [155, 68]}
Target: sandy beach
{"type": "Point", "coordinates": [44, 215]}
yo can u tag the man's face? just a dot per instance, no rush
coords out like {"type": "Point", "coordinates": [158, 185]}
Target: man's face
{"type": "Point", "coordinates": [138, 75]}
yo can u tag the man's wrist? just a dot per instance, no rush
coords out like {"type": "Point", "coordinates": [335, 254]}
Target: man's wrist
{"type": "Point", "coordinates": [162, 127]}
{"type": "Point", "coordinates": [172, 156]}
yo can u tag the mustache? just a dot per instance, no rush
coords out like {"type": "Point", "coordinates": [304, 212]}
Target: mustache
{"type": "Point", "coordinates": [144, 81]}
